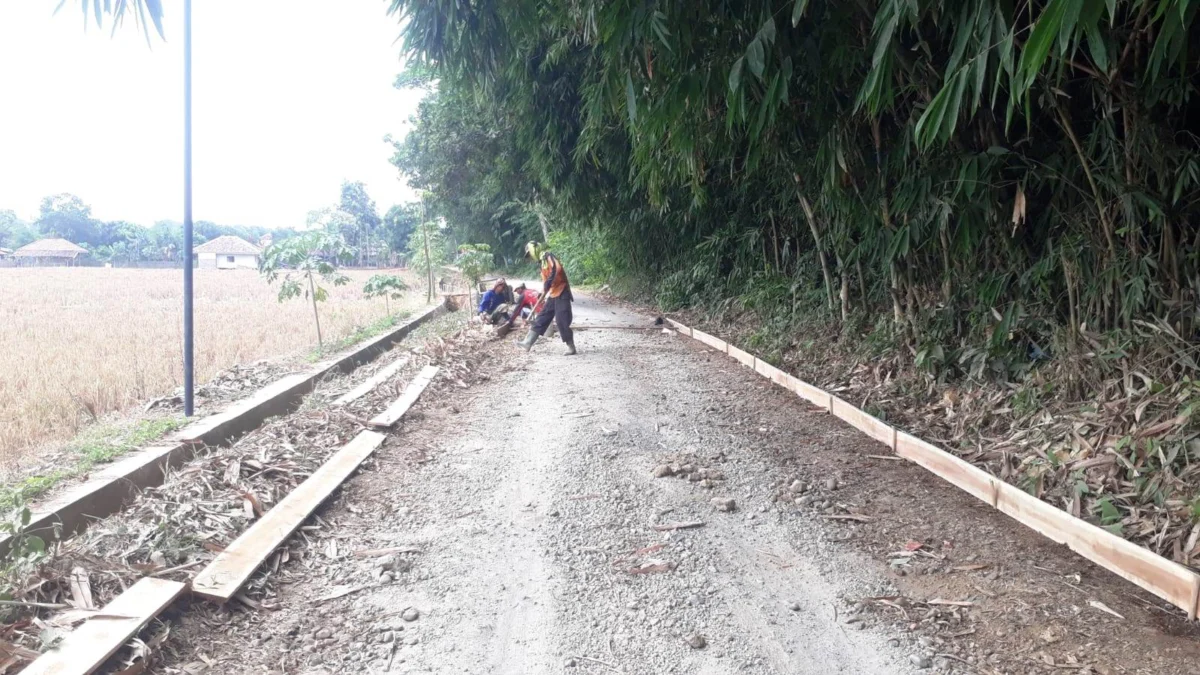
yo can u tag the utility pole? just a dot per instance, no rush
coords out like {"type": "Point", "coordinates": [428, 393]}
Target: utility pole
{"type": "Point", "coordinates": [188, 346]}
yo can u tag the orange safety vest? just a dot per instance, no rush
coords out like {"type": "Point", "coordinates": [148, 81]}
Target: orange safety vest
{"type": "Point", "coordinates": [554, 277]}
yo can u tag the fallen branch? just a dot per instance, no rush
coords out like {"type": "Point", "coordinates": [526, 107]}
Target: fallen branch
{"type": "Point", "coordinates": [667, 527]}
{"type": "Point", "coordinates": [850, 516]}
{"type": "Point", "coordinates": [951, 603]}
{"type": "Point", "coordinates": [376, 552]}
{"type": "Point", "coordinates": [344, 592]}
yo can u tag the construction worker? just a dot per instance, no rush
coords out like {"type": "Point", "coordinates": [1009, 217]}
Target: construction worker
{"type": "Point", "coordinates": [556, 301]}
{"type": "Point", "coordinates": [492, 304]}
{"type": "Point", "coordinates": [525, 299]}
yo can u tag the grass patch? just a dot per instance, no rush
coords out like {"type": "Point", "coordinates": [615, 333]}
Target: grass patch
{"type": "Point", "coordinates": [370, 330]}
{"type": "Point", "coordinates": [99, 444]}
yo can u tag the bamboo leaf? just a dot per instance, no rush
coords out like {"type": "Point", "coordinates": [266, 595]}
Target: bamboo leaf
{"type": "Point", "coordinates": [1045, 32]}
{"type": "Point", "coordinates": [767, 32]}
{"type": "Point", "coordinates": [735, 73]}
{"type": "Point", "coordinates": [630, 99]}
{"type": "Point", "coordinates": [754, 58]}
{"type": "Point", "coordinates": [1096, 46]}
{"type": "Point", "coordinates": [798, 8]}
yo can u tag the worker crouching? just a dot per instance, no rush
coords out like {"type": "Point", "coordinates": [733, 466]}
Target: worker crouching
{"type": "Point", "coordinates": [556, 302]}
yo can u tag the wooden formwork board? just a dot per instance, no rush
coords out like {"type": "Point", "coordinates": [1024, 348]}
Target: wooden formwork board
{"type": "Point", "coordinates": [388, 418]}
{"type": "Point", "coordinates": [714, 342]}
{"type": "Point", "coordinates": [87, 647]}
{"type": "Point", "coordinates": [868, 424]}
{"type": "Point", "coordinates": [768, 371]}
{"type": "Point", "coordinates": [107, 490]}
{"type": "Point", "coordinates": [814, 395]}
{"type": "Point", "coordinates": [684, 330]}
{"type": "Point", "coordinates": [1164, 578]}
{"type": "Point", "coordinates": [1168, 580]}
{"type": "Point", "coordinates": [232, 567]}
{"type": "Point", "coordinates": [745, 358]}
{"type": "Point", "coordinates": [384, 374]}
{"type": "Point", "coordinates": [954, 470]}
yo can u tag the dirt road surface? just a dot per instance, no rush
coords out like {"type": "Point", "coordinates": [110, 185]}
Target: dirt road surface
{"type": "Point", "coordinates": [525, 507]}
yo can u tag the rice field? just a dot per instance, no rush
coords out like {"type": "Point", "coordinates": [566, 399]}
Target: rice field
{"type": "Point", "coordinates": [80, 343]}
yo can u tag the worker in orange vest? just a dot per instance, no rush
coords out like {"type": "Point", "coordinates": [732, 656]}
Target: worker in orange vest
{"type": "Point", "coordinates": [556, 301]}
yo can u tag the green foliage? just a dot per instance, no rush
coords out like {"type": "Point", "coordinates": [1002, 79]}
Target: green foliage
{"type": "Point", "coordinates": [586, 253]}
{"type": "Point", "coordinates": [427, 250]}
{"type": "Point", "coordinates": [993, 181]}
{"type": "Point", "coordinates": [386, 286]}
{"type": "Point", "coordinates": [301, 264]}
{"type": "Point", "coordinates": [475, 261]}
{"type": "Point", "coordinates": [361, 227]}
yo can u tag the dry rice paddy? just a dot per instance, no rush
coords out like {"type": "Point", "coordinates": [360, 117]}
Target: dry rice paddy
{"type": "Point", "coordinates": [80, 343]}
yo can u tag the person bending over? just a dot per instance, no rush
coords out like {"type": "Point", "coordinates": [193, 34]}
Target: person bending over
{"type": "Point", "coordinates": [491, 305]}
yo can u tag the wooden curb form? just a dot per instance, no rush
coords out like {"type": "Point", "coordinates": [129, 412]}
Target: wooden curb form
{"type": "Point", "coordinates": [388, 418]}
{"type": "Point", "coordinates": [375, 380]}
{"type": "Point", "coordinates": [107, 490]}
{"type": "Point", "coordinates": [1164, 578]}
{"type": "Point", "coordinates": [87, 647]}
{"type": "Point", "coordinates": [234, 566]}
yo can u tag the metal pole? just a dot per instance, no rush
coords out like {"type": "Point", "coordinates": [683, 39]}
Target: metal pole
{"type": "Point", "coordinates": [188, 362]}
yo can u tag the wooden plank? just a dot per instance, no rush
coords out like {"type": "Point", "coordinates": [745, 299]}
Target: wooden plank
{"type": "Point", "coordinates": [388, 418]}
{"type": "Point", "coordinates": [234, 566]}
{"type": "Point", "coordinates": [87, 648]}
{"type": "Point", "coordinates": [745, 358]}
{"type": "Point", "coordinates": [1168, 580]}
{"type": "Point", "coordinates": [814, 395]}
{"type": "Point", "coordinates": [956, 471]}
{"type": "Point", "coordinates": [768, 371]}
{"type": "Point", "coordinates": [680, 327]}
{"type": "Point", "coordinates": [868, 424]}
{"type": "Point", "coordinates": [714, 342]}
{"type": "Point", "coordinates": [375, 380]}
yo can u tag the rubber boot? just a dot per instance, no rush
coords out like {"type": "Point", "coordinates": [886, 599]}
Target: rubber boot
{"type": "Point", "coordinates": [570, 349]}
{"type": "Point", "coordinates": [527, 343]}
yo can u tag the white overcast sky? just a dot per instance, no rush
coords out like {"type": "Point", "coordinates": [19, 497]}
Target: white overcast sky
{"type": "Point", "coordinates": [290, 98]}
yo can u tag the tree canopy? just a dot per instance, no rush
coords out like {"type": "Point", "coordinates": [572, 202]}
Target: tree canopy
{"type": "Point", "coordinates": [983, 170]}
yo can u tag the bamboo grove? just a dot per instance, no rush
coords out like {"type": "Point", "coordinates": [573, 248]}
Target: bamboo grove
{"type": "Point", "coordinates": [988, 179]}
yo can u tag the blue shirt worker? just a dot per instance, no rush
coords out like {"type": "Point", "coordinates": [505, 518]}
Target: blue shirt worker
{"type": "Point", "coordinates": [493, 301]}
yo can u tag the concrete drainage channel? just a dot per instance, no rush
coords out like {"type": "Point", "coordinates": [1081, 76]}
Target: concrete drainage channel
{"type": "Point", "coordinates": [108, 489]}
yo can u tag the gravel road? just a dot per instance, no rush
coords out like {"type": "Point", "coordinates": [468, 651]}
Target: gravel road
{"type": "Point", "coordinates": [520, 523]}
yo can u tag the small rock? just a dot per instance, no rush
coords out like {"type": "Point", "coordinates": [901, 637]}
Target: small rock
{"type": "Point", "coordinates": [795, 607]}
{"type": "Point", "coordinates": [697, 641]}
{"type": "Point", "coordinates": [707, 483]}
{"type": "Point", "coordinates": [324, 634]}
{"type": "Point", "coordinates": [724, 503]}
{"type": "Point", "coordinates": [386, 577]}
{"type": "Point", "coordinates": [797, 487]}
{"type": "Point", "coordinates": [387, 637]}
{"type": "Point", "coordinates": [921, 661]}
{"type": "Point", "coordinates": [831, 483]}
{"type": "Point", "coordinates": [662, 471]}
{"type": "Point", "coordinates": [554, 513]}
{"type": "Point", "coordinates": [410, 614]}
{"type": "Point", "coordinates": [157, 558]}
{"type": "Point", "coordinates": [571, 663]}
{"type": "Point", "coordinates": [804, 501]}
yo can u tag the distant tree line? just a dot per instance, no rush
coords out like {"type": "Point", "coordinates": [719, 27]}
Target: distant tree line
{"type": "Point", "coordinates": [68, 217]}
